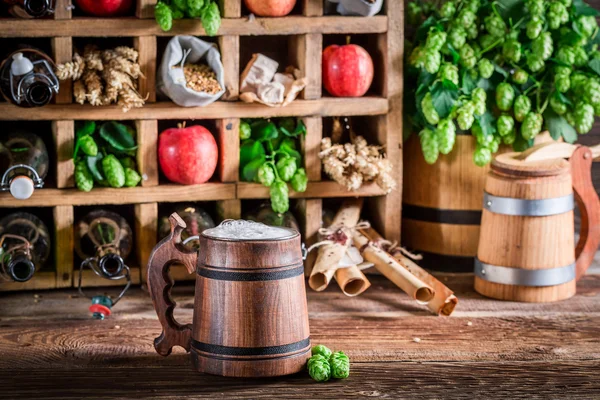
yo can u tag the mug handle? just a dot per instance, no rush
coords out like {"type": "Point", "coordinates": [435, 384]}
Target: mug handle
{"type": "Point", "coordinates": [167, 252]}
{"type": "Point", "coordinates": [589, 207]}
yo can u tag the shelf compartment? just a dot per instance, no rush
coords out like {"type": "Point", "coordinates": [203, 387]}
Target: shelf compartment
{"type": "Point", "coordinates": [134, 27]}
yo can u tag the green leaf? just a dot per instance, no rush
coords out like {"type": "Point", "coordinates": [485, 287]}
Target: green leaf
{"type": "Point", "coordinates": [264, 130]}
{"type": "Point", "coordinates": [423, 30]}
{"type": "Point", "coordinates": [444, 95]}
{"type": "Point", "coordinates": [485, 84]}
{"type": "Point", "coordinates": [563, 99]}
{"type": "Point", "coordinates": [521, 144]}
{"type": "Point", "coordinates": [249, 151]}
{"type": "Point", "coordinates": [487, 122]}
{"type": "Point", "coordinates": [251, 169]}
{"type": "Point", "coordinates": [118, 136]}
{"type": "Point", "coordinates": [94, 164]}
{"type": "Point", "coordinates": [455, 55]}
{"type": "Point", "coordinates": [500, 70]}
{"type": "Point", "coordinates": [582, 8]}
{"type": "Point", "coordinates": [425, 79]}
{"type": "Point", "coordinates": [299, 129]}
{"type": "Point", "coordinates": [468, 83]}
{"type": "Point", "coordinates": [511, 9]}
{"type": "Point", "coordinates": [290, 150]}
{"type": "Point", "coordinates": [559, 127]}
{"type": "Point", "coordinates": [86, 128]}
{"type": "Point", "coordinates": [594, 65]}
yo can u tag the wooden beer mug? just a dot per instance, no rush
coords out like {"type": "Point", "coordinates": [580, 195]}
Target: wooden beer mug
{"type": "Point", "coordinates": [526, 246]}
{"type": "Point", "coordinates": [250, 312]}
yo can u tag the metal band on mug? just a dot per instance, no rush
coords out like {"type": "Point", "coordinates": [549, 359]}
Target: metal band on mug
{"type": "Point", "coordinates": [524, 277]}
{"type": "Point", "coordinates": [528, 208]}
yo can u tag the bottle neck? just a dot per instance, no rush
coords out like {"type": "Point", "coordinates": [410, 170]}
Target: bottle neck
{"type": "Point", "coordinates": [21, 268]}
{"type": "Point", "coordinates": [38, 94]}
{"type": "Point", "coordinates": [37, 8]}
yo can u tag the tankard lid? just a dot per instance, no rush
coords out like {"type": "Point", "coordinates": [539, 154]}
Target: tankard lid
{"type": "Point", "coordinates": [242, 231]}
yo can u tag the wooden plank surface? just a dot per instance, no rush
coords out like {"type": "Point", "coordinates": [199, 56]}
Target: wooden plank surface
{"type": "Point", "coordinates": [221, 109]}
{"type": "Point", "coordinates": [103, 27]}
{"type": "Point", "coordinates": [49, 348]}
{"type": "Point", "coordinates": [168, 193]}
{"type": "Point", "coordinates": [323, 189]}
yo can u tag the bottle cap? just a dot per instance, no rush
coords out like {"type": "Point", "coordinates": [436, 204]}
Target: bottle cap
{"type": "Point", "coordinates": [21, 187]}
{"type": "Point", "coordinates": [20, 65]}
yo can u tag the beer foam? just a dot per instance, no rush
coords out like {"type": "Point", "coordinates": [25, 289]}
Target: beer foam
{"type": "Point", "coordinates": [247, 230]}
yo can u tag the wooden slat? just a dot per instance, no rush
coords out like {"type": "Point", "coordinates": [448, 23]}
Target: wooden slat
{"type": "Point", "coordinates": [163, 193]}
{"type": "Point", "coordinates": [311, 146]}
{"type": "Point", "coordinates": [146, 46]}
{"type": "Point", "coordinates": [91, 280]}
{"type": "Point", "coordinates": [231, 8]}
{"type": "Point", "coordinates": [312, 8]}
{"type": "Point", "coordinates": [64, 139]}
{"type": "Point", "coordinates": [62, 51]}
{"type": "Point", "coordinates": [62, 9]}
{"type": "Point", "coordinates": [309, 212]}
{"type": "Point", "coordinates": [134, 27]}
{"type": "Point", "coordinates": [323, 189]}
{"type": "Point", "coordinates": [228, 139]}
{"type": "Point", "coordinates": [63, 247]}
{"type": "Point", "coordinates": [146, 225]}
{"type": "Point", "coordinates": [220, 109]}
{"type": "Point", "coordinates": [145, 9]}
{"type": "Point", "coordinates": [229, 46]}
{"type": "Point", "coordinates": [42, 280]}
{"type": "Point", "coordinates": [305, 54]}
{"type": "Point", "coordinates": [147, 160]}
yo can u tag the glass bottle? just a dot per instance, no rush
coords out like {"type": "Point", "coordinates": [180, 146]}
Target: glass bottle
{"type": "Point", "coordinates": [24, 246]}
{"type": "Point", "coordinates": [103, 240]}
{"type": "Point", "coordinates": [27, 78]}
{"type": "Point", "coordinates": [197, 221]}
{"type": "Point", "coordinates": [30, 8]}
{"type": "Point", "coordinates": [24, 163]}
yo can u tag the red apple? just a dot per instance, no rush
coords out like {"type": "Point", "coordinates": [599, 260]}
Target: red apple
{"type": "Point", "coordinates": [347, 70]}
{"type": "Point", "coordinates": [104, 8]}
{"type": "Point", "coordinates": [270, 8]}
{"type": "Point", "coordinates": [188, 155]}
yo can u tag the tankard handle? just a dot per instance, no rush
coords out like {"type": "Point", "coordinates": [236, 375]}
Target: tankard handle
{"type": "Point", "coordinates": [168, 251]}
{"type": "Point", "coordinates": [589, 207]}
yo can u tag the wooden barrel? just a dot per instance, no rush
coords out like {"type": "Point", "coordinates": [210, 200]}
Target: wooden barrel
{"type": "Point", "coordinates": [442, 204]}
{"type": "Point", "coordinates": [250, 314]}
{"type": "Point", "coordinates": [526, 247]}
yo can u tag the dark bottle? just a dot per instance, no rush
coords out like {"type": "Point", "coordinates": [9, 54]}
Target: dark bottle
{"type": "Point", "coordinates": [24, 246]}
{"type": "Point", "coordinates": [30, 8]}
{"type": "Point", "coordinates": [24, 163]}
{"type": "Point", "coordinates": [103, 240]}
{"type": "Point", "coordinates": [197, 221]}
{"type": "Point", "coordinates": [27, 78]}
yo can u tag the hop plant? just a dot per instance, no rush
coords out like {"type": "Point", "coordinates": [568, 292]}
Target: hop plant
{"type": "Point", "coordinates": [485, 67]}
{"type": "Point", "coordinates": [468, 58]}
{"type": "Point", "coordinates": [505, 94]}
{"type": "Point", "coordinates": [495, 25]}
{"type": "Point", "coordinates": [322, 350]}
{"type": "Point", "coordinates": [482, 156]}
{"type": "Point", "coordinates": [534, 27]}
{"type": "Point", "coordinates": [543, 46]}
{"type": "Point", "coordinates": [532, 125]}
{"type": "Point", "coordinates": [448, 9]}
{"type": "Point", "coordinates": [446, 135]}
{"type": "Point", "coordinates": [433, 60]}
{"type": "Point", "coordinates": [520, 76]}
{"type": "Point", "coordinates": [319, 368]}
{"type": "Point", "coordinates": [429, 110]}
{"type": "Point", "coordinates": [449, 72]}
{"type": "Point", "coordinates": [466, 17]}
{"type": "Point", "coordinates": [511, 50]}
{"type": "Point", "coordinates": [457, 37]}
{"type": "Point", "coordinates": [340, 365]}
{"type": "Point", "coordinates": [584, 118]}
{"type": "Point", "coordinates": [522, 107]}
{"type": "Point", "coordinates": [505, 124]}
{"type": "Point", "coordinates": [435, 40]}
{"type": "Point", "coordinates": [429, 145]}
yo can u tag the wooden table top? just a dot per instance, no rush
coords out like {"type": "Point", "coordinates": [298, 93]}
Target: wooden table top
{"type": "Point", "coordinates": [50, 348]}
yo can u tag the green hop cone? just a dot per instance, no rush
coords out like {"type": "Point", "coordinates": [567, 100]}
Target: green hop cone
{"type": "Point", "coordinates": [245, 131]}
{"type": "Point", "coordinates": [566, 3]}
{"type": "Point", "coordinates": [534, 27]}
{"type": "Point", "coordinates": [468, 58]}
{"type": "Point", "coordinates": [114, 171]}
{"type": "Point", "coordinates": [505, 94]}
{"type": "Point", "coordinates": [433, 60]}
{"type": "Point", "coordinates": [414, 13]}
{"type": "Point", "coordinates": [586, 24]}
{"type": "Point", "coordinates": [322, 350]}
{"type": "Point", "coordinates": [417, 57]}
{"type": "Point", "coordinates": [163, 16]}
{"type": "Point", "coordinates": [280, 200]}
{"type": "Point", "coordinates": [591, 91]}
{"type": "Point", "coordinates": [510, 138]}
{"type": "Point", "coordinates": [485, 67]}
{"type": "Point", "coordinates": [465, 117]}
{"type": "Point", "coordinates": [581, 56]}
{"type": "Point", "coordinates": [457, 37]}
{"type": "Point", "coordinates": [511, 50]}
{"type": "Point", "coordinates": [495, 25]}
{"type": "Point", "coordinates": [579, 81]}
{"type": "Point", "coordinates": [479, 98]}
{"type": "Point", "coordinates": [584, 118]}
{"type": "Point", "coordinates": [265, 174]}
{"type": "Point", "coordinates": [299, 181]}
{"type": "Point", "coordinates": [446, 135]}
{"type": "Point", "coordinates": [450, 72]}
{"type": "Point", "coordinates": [482, 156]}
{"type": "Point", "coordinates": [466, 18]}
{"type": "Point", "coordinates": [520, 76]}
{"type": "Point", "coordinates": [435, 40]}
{"type": "Point", "coordinates": [487, 40]}
{"type": "Point", "coordinates": [557, 15]}
{"type": "Point", "coordinates": [448, 9]}
{"type": "Point", "coordinates": [557, 105]}
{"type": "Point", "coordinates": [532, 125]}
{"type": "Point", "coordinates": [543, 46]}
{"type": "Point", "coordinates": [505, 124]}
{"type": "Point", "coordinates": [319, 368]}
{"type": "Point", "coordinates": [193, 7]}
{"type": "Point", "coordinates": [132, 178]}
{"type": "Point", "coordinates": [472, 5]}
{"type": "Point", "coordinates": [562, 82]}
{"type": "Point", "coordinates": [429, 145]}
{"type": "Point", "coordinates": [535, 63]}
{"type": "Point", "coordinates": [340, 365]}
{"type": "Point", "coordinates": [127, 162]}
{"type": "Point", "coordinates": [211, 19]}
{"type": "Point", "coordinates": [83, 177]}
{"type": "Point", "coordinates": [88, 145]}
{"type": "Point", "coordinates": [570, 117]}
{"type": "Point", "coordinates": [286, 168]}
{"type": "Point", "coordinates": [429, 111]}
{"type": "Point", "coordinates": [472, 32]}
{"type": "Point", "coordinates": [566, 54]}
{"type": "Point", "coordinates": [483, 139]}
{"type": "Point", "coordinates": [495, 145]}
{"type": "Point", "coordinates": [177, 13]}
{"type": "Point", "coordinates": [535, 7]}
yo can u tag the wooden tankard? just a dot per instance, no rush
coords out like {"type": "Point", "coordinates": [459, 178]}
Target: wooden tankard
{"type": "Point", "coordinates": [250, 312]}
